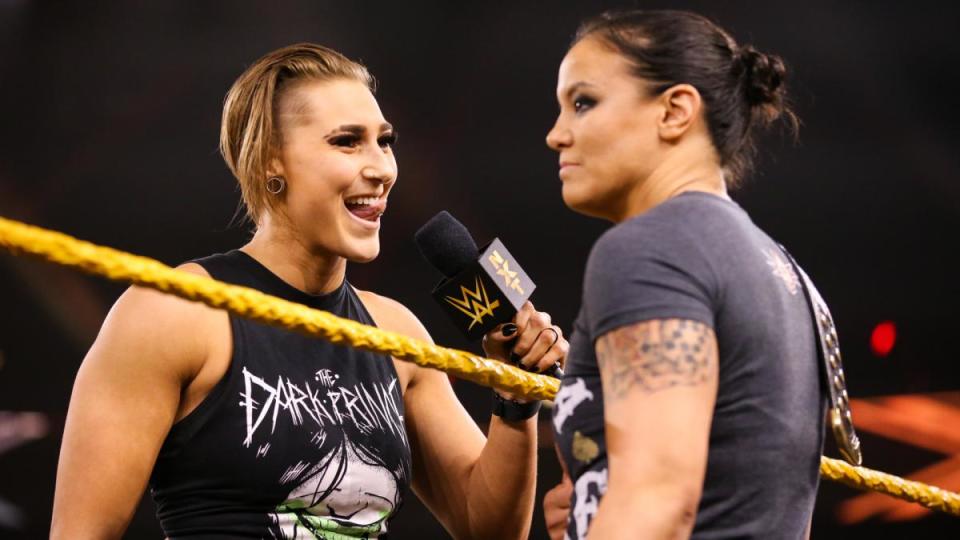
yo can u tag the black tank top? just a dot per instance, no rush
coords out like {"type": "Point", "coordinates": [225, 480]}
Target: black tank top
{"type": "Point", "coordinates": [300, 439]}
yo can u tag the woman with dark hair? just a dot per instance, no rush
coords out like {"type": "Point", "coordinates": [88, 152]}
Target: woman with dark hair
{"type": "Point", "coordinates": [691, 404]}
{"type": "Point", "coordinates": [242, 430]}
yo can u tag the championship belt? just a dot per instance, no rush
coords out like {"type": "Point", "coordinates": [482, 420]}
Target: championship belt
{"type": "Point", "coordinates": [841, 419]}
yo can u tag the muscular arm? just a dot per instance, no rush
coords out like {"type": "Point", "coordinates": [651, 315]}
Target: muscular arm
{"type": "Point", "coordinates": [659, 387]}
{"type": "Point", "coordinates": [477, 487]}
{"type": "Point", "coordinates": [124, 401]}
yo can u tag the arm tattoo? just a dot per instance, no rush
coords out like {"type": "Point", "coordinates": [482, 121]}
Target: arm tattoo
{"type": "Point", "coordinates": [655, 355]}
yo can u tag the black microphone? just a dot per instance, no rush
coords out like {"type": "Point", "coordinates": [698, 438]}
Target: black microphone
{"type": "Point", "coordinates": [481, 288]}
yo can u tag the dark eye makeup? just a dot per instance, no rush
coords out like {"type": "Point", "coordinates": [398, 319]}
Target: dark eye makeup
{"type": "Point", "coordinates": [388, 139]}
{"type": "Point", "coordinates": [351, 140]}
{"type": "Point", "coordinates": [346, 140]}
{"type": "Point", "coordinates": [582, 103]}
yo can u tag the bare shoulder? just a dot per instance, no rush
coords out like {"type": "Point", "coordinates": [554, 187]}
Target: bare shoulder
{"type": "Point", "coordinates": [392, 315]}
{"type": "Point", "coordinates": [152, 311]}
{"type": "Point", "coordinates": [132, 386]}
{"type": "Point", "coordinates": [137, 296]}
{"type": "Point", "coordinates": [160, 330]}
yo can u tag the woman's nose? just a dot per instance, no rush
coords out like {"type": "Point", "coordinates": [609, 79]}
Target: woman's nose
{"type": "Point", "coordinates": [382, 174]}
{"type": "Point", "coordinates": [558, 137]}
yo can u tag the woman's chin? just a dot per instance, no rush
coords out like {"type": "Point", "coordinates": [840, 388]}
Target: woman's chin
{"type": "Point", "coordinates": [363, 253]}
{"type": "Point", "coordinates": [590, 208]}
{"type": "Point", "coordinates": [578, 200]}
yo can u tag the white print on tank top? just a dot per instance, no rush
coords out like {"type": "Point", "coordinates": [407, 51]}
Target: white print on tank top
{"type": "Point", "coordinates": [351, 490]}
{"type": "Point", "coordinates": [347, 494]}
{"type": "Point", "coordinates": [367, 407]}
{"type": "Point", "coordinates": [588, 489]}
{"type": "Point", "coordinates": [568, 399]}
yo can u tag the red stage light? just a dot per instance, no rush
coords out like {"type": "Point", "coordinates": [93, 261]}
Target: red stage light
{"type": "Point", "coordinates": [883, 338]}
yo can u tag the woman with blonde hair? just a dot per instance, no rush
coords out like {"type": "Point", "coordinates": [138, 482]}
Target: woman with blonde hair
{"type": "Point", "coordinates": [245, 430]}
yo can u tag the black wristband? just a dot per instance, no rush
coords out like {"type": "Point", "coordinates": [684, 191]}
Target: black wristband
{"type": "Point", "coordinates": [514, 411]}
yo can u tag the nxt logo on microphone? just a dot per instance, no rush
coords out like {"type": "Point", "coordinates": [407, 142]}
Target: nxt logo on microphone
{"type": "Point", "coordinates": [475, 303]}
{"type": "Point", "coordinates": [502, 265]}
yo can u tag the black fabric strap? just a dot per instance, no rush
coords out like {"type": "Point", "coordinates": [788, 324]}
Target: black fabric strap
{"type": "Point", "coordinates": [514, 411]}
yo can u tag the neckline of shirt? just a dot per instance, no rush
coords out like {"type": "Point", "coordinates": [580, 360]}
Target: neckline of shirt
{"type": "Point", "coordinates": [276, 286]}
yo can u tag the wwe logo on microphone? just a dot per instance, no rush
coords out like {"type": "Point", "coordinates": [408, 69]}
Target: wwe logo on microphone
{"type": "Point", "coordinates": [489, 290]}
{"type": "Point", "coordinates": [475, 303]}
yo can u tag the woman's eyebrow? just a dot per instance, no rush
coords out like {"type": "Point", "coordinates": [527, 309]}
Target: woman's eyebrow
{"type": "Point", "coordinates": [359, 129]}
{"type": "Point", "coordinates": [577, 86]}
{"type": "Point", "coordinates": [355, 129]}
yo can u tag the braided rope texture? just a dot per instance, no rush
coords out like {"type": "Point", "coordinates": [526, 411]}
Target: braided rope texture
{"type": "Point", "coordinates": [55, 247]}
{"type": "Point", "coordinates": [252, 304]}
{"type": "Point", "coordinates": [869, 480]}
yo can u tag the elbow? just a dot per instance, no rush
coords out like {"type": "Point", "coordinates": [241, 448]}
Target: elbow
{"type": "Point", "coordinates": [670, 510]}
{"type": "Point", "coordinates": [508, 528]}
{"type": "Point", "coordinates": [84, 524]}
{"type": "Point", "coordinates": [687, 512]}
{"type": "Point", "coordinates": [680, 506]}
{"type": "Point", "coordinates": [61, 530]}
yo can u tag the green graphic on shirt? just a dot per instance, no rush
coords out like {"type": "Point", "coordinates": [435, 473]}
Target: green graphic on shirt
{"type": "Point", "coordinates": [304, 522]}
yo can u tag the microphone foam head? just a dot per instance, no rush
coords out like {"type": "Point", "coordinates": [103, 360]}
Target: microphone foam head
{"type": "Point", "coordinates": [446, 244]}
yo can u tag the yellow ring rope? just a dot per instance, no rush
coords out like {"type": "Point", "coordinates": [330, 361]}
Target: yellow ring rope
{"type": "Point", "coordinates": [867, 479]}
{"type": "Point", "coordinates": [119, 266]}
{"type": "Point", "coordinates": [252, 304]}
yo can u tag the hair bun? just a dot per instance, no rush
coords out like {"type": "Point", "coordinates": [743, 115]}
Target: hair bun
{"type": "Point", "coordinates": [764, 76]}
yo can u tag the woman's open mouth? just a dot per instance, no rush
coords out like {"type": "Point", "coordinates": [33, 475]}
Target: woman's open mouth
{"type": "Point", "coordinates": [366, 208]}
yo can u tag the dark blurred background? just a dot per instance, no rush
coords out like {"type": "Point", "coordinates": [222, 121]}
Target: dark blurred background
{"type": "Point", "coordinates": [109, 119]}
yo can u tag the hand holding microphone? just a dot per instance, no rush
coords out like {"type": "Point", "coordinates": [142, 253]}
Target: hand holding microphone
{"type": "Point", "coordinates": [485, 294]}
{"type": "Point", "coordinates": [530, 342]}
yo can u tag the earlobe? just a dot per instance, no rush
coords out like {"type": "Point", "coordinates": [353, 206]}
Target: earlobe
{"type": "Point", "coordinates": [681, 107]}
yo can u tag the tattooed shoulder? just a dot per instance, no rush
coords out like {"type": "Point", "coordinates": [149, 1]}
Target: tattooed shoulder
{"type": "Point", "coordinates": [654, 355]}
